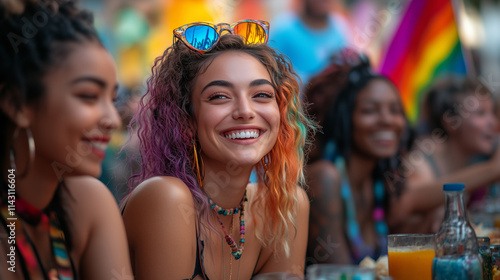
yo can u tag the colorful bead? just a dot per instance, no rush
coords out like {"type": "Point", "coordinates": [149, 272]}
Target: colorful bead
{"type": "Point", "coordinates": [221, 211]}
{"type": "Point", "coordinates": [236, 250]}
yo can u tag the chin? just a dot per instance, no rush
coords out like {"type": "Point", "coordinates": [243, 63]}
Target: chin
{"type": "Point", "coordinates": [385, 154]}
{"type": "Point", "coordinates": [485, 151]}
{"type": "Point", "coordinates": [93, 171]}
{"type": "Point", "coordinates": [243, 162]}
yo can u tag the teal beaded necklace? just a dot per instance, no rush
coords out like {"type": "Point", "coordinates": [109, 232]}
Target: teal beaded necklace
{"type": "Point", "coordinates": [236, 250]}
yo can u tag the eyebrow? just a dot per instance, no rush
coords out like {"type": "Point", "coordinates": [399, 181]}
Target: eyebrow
{"type": "Point", "coordinates": [260, 82]}
{"type": "Point", "coordinates": [223, 83]}
{"type": "Point", "coordinates": [218, 83]}
{"type": "Point", "coordinates": [101, 83]}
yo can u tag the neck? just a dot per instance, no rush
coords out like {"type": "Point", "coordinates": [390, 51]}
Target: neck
{"type": "Point", "coordinates": [453, 156]}
{"type": "Point", "coordinates": [359, 169]}
{"type": "Point", "coordinates": [314, 21]}
{"type": "Point", "coordinates": [223, 188]}
{"type": "Point", "coordinates": [39, 183]}
{"type": "Point", "coordinates": [38, 187]}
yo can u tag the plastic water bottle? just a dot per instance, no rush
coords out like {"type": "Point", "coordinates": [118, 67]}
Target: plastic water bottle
{"type": "Point", "coordinates": [457, 251]}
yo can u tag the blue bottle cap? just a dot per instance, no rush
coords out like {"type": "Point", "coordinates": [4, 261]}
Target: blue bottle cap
{"type": "Point", "coordinates": [453, 187]}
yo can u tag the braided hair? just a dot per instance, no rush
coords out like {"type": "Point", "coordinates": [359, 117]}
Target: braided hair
{"type": "Point", "coordinates": [348, 74]}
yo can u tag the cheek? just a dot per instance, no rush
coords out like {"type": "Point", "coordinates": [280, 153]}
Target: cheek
{"type": "Point", "coordinates": [362, 123]}
{"type": "Point", "coordinates": [470, 124]}
{"type": "Point", "coordinates": [401, 125]}
{"type": "Point", "coordinates": [270, 113]}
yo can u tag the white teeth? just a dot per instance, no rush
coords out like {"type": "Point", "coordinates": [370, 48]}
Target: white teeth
{"type": "Point", "coordinates": [243, 134]}
{"type": "Point", "coordinates": [385, 135]}
{"type": "Point", "coordinates": [99, 145]}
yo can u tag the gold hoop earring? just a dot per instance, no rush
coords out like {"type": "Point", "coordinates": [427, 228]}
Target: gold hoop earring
{"type": "Point", "coordinates": [31, 147]}
{"type": "Point", "coordinates": [200, 170]}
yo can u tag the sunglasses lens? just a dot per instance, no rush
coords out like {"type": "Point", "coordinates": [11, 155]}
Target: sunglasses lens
{"type": "Point", "coordinates": [202, 37]}
{"type": "Point", "coordinates": [251, 32]}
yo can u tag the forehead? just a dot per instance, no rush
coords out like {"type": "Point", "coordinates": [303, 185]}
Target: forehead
{"type": "Point", "coordinates": [83, 59]}
{"type": "Point", "coordinates": [378, 90]}
{"type": "Point", "coordinates": [233, 66]}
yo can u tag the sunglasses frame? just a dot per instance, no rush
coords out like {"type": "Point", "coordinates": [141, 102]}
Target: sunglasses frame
{"type": "Point", "coordinates": [180, 34]}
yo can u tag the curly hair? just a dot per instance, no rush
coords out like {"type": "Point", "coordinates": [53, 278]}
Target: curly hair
{"type": "Point", "coordinates": [348, 74]}
{"type": "Point", "coordinates": [163, 122]}
{"type": "Point", "coordinates": [34, 37]}
{"type": "Point", "coordinates": [31, 43]}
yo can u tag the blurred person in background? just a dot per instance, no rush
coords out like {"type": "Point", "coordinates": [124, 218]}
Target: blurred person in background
{"type": "Point", "coordinates": [216, 108]}
{"type": "Point", "coordinates": [309, 36]}
{"type": "Point", "coordinates": [57, 86]}
{"type": "Point", "coordinates": [122, 155]}
{"type": "Point", "coordinates": [459, 117]}
{"type": "Point", "coordinates": [365, 134]}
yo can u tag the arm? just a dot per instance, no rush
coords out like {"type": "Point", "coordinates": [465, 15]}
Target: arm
{"type": "Point", "coordinates": [424, 192]}
{"type": "Point", "coordinates": [105, 252]}
{"type": "Point", "coordinates": [327, 242]}
{"type": "Point", "coordinates": [297, 240]}
{"type": "Point", "coordinates": [160, 220]}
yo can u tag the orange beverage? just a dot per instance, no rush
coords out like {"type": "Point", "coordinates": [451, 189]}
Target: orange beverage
{"type": "Point", "coordinates": [496, 220]}
{"type": "Point", "coordinates": [411, 265]}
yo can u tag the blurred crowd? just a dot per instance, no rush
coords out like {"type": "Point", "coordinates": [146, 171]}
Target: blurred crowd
{"type": "Point", "coordinates": [371, 170]}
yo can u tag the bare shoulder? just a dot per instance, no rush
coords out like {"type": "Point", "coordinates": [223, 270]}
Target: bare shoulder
{"type": "Point", "coordinates": [417, 168]}
{"type": "Point", "coordinates": [86, 190]}
{"type": "Point", "coordinates": [160, 221]}
{"type": "Point", "coordinates": [95, 218]}
{"type": "Point", "coordinates": [323, 179]}
{"type": "Point", "coordinates": [302, 198]}
{"type": "Point", "coordinates": [161, 189]}
{"type": "Point", "coordinates": [161, 194]}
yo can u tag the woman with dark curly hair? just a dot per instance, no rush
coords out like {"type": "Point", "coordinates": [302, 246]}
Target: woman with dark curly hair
{"type": "Point", "coordinates": [350, 173]}
{"type": "Point", "coordinates": [218, 107]}
{"type": "Point", "coordinates": [57, 85]}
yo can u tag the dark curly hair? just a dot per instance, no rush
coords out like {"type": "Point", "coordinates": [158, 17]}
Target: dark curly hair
{"type": "Point", "coordinates": [34, 37]}
{"type": "Point", "coordinates": [348, 74]}
{"type": "Point", "coordinates": [30, 44]}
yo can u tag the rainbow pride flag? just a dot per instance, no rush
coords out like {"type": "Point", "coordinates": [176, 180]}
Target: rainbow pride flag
{"type": "Point", "coordinates": [425, 45]}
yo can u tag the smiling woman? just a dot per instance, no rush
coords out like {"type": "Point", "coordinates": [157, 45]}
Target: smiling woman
{"type": "Point", "coordinates": [365, 131]}
{"type": "Point", "coordinates": [209, 118]}
{"type": "Point", "coordinates": [57, 88]}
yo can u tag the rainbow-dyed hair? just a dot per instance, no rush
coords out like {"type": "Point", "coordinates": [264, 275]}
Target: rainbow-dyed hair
{"type": "Point", "coordinates": [163, 123]}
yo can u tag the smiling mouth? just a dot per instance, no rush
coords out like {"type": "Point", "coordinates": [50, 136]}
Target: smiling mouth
{"type": "Point", "coordinates": [242, 134]}
{"type": "Point", "coordinates": [385, 135]}
{"type": "Point", "coordinates": [98, 146]}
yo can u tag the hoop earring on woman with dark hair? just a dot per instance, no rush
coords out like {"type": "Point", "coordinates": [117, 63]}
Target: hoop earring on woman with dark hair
{"type": "Point", "coordinates": [31, 147]}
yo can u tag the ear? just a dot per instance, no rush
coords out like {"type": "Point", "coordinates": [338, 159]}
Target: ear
{"type": "Point", "coordinates": [22, 117]}
{"type": "Point", "coordinates": [451, 122]}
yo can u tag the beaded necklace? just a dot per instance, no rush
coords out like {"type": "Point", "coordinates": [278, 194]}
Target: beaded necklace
{"type": "Point", "coordinates": [236, 250]}
{"type": "Point", "coordinates": [32, 264]}
{"type": "Point", "coordinates": [358, 246]}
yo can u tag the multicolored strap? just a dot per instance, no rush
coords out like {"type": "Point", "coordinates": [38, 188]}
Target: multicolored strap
{"type": "Point", "coordinates": [25, 247]}
{"type": "Point", "coordinates": [359, 248]}
{"type": "Point", "coordinates": [22, 244]}
{"type": "Point", "coordinates": [63, 262]}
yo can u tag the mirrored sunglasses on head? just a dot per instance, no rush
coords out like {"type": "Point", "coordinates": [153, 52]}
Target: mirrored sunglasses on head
{"type": "Point", "coordinates": [202, 36]}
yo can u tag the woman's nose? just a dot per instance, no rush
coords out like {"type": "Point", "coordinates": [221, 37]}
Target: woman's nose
{"type": "Point", "coordinates": [243, 109]}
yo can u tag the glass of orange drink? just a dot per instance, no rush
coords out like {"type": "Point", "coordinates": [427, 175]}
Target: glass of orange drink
{"type": "Point", "coordinates": [410, 256]}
